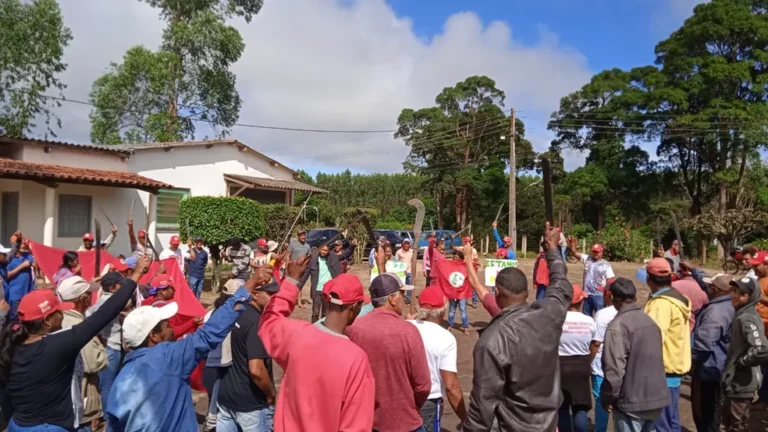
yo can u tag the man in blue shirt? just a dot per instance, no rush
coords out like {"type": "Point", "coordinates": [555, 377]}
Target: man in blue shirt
{"type": "Point", "coordinates": [20, 280]}
{"type": "Point", "coordinates": [505, 245]}
{"type": "Point", "coordinates": [196, 262]}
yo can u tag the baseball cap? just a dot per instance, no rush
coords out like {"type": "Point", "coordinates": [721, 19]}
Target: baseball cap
{"type": "Point", "coordinates": [41, 303]}
{"type": "Point", "coordinates": [74, 286]}
{"type": "Point", "coordinates": [198, 239]}
{"type": "Point", "coordinates": [142, 320]}
{"type": "Point", "coordinates": [261, 242]}
{"type": "Point", "coordinates": [271, 287]}
{"type": "Point", "coordinates": [385, 284]}
{"type": "Point", "coordinates": [301, 232]}
{"type": "Point", "coordinates": [338, 243]}
{"type": "Point", "coordinates": [344, 289]}
{"type": "Point", "coordinates": [159, 282]}
{"type": "Point", "coordinates": [110, 279]}
{"type": "Point", "coordinates": [578, 294]}
{"type": "Point", "coordinates": [745, 285]}
{"type": "Point", "coordinates": [432, 298]}
{"type": "Point", "coordinates": [175, 240]}
{"type": "Point", "coordinates": [658, 267]}
{"type": "Point", "coordinates": [406, 240]}
{"type": "Point", "coordinates": [232, 285]}
{"type": "Point", "coordinates": [467, 239]}
{"type": "Point", "coordinates": [597, 247]}
{"type": "Point", "coordinates": [142, 233]}
{"type": "Point", "coordinates": [88, 236]}
{"type": "Point", "coordinates": [760, 258]}
{"type": "Point", "coordinates": [507, 239]}
{"type": "Point", "coordinates": [623, 289]}
{"type": "Point", "coordinates": [120, 266]}
{"type": "Point", "coordinates": [272, 245]}
{"type": "Point", "coordinates": [4, 250]}
{"type": "Point", "coordinates": [131, 261]}
{"type": "Point", "coordinates": [721, 281]}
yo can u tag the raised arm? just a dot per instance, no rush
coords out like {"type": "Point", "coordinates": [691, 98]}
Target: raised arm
{"type": "Point", "coordinates": [131, 234]}
{"type": "Point", "coordinates": [572, 246]}
{"type": "Point", "coordinates": [477, 284]}
{"type": "Point", "coordinates": [560, 290]}
{"type": "Point", "coordinates": [497, 236]}
{"type": "Point", "coordinates": [349, 251]}
{"type": "Point", "coordinates": [110, 238]}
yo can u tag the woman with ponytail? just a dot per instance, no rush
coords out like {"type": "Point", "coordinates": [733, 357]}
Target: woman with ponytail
{"type": "Point", "coordinates": [37, 358]}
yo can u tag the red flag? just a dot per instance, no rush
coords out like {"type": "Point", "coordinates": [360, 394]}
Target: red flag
{"type": "Point", "coordinates": [451, 277]}
{"type": "Point", "coordinates": [188, 303]}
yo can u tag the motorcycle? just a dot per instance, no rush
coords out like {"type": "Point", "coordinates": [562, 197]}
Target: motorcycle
{"type": "Point", "coordinates": [733, 264]}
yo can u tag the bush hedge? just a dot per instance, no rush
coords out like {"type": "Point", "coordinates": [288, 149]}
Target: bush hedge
{"type": "Point", "coordinates": [217, 219]}
{"type": "Point", "coordinates": [277, 219]}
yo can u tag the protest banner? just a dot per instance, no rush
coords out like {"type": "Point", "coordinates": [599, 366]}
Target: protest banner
{"type": "Point", "coordinates": [493, 267]}
{"type": "Point", "coordinates": [395, 267]}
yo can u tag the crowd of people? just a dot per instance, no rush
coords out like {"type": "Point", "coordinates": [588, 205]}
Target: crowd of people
{"type": "Point", "coordinates": [118, 352]}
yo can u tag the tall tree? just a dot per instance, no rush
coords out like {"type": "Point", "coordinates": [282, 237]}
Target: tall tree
{"type": "Point", "coordinates": [160, 95]}
{"type": "Point", "coordinates": [456, 143]}
{"type": "Point", "coordinates": [32, 42]}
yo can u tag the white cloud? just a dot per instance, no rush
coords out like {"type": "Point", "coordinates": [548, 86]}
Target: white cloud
{"type": "Point", "coordinates": [322, 64]}
{"type": "Point", "coordinates": [671, 14]}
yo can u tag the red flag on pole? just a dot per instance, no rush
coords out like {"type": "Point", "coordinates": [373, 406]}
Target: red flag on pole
{"type": "Point", "coordinates": [451, 277]}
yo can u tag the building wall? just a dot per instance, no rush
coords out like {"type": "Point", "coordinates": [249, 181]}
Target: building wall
{"type": "Point", "coordinates": [75, 158]}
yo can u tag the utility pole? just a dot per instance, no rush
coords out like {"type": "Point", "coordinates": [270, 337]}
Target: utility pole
{"type": "Point", "coordinates": [512, 183]}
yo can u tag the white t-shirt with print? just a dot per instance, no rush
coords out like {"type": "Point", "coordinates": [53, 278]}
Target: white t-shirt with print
{"type": "Point", "coordinates": [603, 317]}
{"type": "Point", "coordinates": [578, 332]}
{"type": "Point", "coordinates": [177, 254]}
{"type": "Point", "coordinates": [440, 346]}
{"type": "Point", "coordinates": [596, 274]}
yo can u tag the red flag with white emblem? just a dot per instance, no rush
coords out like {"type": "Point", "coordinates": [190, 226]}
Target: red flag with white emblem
{"type": "Point", "coordinates": [451, 277]}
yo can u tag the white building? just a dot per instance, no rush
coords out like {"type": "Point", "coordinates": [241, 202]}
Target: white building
{"type": "Point", "coordinates": [52, 191]}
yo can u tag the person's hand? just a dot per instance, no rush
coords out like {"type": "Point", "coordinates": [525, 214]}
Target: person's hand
{"type": "Point", "coordinates": [25, 264]}
{"type": "Point", "coordinates": [354, 242]}
{"type": "Point", "coordinates": [189, 243]}
{"type": "Point", "coordinates": [114, 229]}
{"type": "Point", "coordinates": [494, 224]}
{"type": "Point", "coordinates": [4, 306]}
{"type": "Point", "coordinates": [468, 250]}
{"type": "Point", "coordinates": [425, 273]}
{"type": "Point", "coordinates": [142, 265]}
{"type": "Point", "coordinates": [130, 222]}
{"type": "Point", "coordinates": [271, 400]}
{"type": "Point", "coordinates": [295, 269]}
{"type": "Point", "coordinates": [198, 320]}
{"type": "Point", "coordinates": [261, 275]}
{"type": "Point", "coordinates": [161, 269]}
{"type": "Point", "coordinates": [572, 242]}
{"type": "Point", "coordinates": [551, 236]}
{"type": "Point", "coordinates": [608, 408]}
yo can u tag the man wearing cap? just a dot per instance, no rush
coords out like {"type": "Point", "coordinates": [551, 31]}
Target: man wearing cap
{"type": "Point", "coordinates": [259, 255]}
{"type": "Point", "coordinates": [405, 255]}
{"type": "Point", "coordinates": [747, 351]}
{"type": "Point", "coordinates": [152, 392]}
{"type": "Point", "coordinates": [93, 356]}
{"type": "Point", "coordinates": [634, 388]}
{"type": "Point", "coordinates": [174, 252]}
{"type": "Point", "coordinates": [440, 346]}
{"type": "Point", "coordinates": [673, 253]}
{"type": "Point", "coordinates": [247, 393]}
{"type": "Point", "coordinates": [711, 337]}
{"type": "Point", "coordinates": [504, 244]}
{"type": "Point", "coordinates": [140, 246]}
{"type": "Point", "coordinates": [341, 396]}
{"type": "Point", "coordinates": [597, 274]}
{"type": "Point", "coordinates": [196, 263]}
{"type": "Point", "coordinates": [161, 293]}
{"type": "Point", "coordinates": [672, 313]}
{"type": "Point", "coordinates": [105, 244]}
{"type": "Point", "coordinates": [324, 266]}
{"type": "Point", "coordinates": [299, 248]}
{"type": "Point", "coordinates": [111, 334]}
{"type": "Point", "coordinates": [396, 353]}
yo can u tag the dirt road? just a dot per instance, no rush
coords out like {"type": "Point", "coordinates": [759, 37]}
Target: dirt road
{"type": "Point", "coordinates": [479, 318]}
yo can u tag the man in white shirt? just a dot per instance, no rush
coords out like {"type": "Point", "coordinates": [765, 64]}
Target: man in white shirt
{"type": "Point", "coordinates": [440, 346]}
{"type": "Point", "coordinates": [175, 252]}
{"type": "Point", "coordinates": [602, 319]}
{"type": "Point", "coordinates": [747, 254]}
{"type": "Point", "coordinates": [597, 274]}
{"type": "Point", "coordinates": [405, 255]}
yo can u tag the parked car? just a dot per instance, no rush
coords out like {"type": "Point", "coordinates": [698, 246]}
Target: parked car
{"type": "Point", "coordinates": [450, 245]}
{"type": "Point", "coordinates": [393, 237]}
{"type": "Point", "coordinates": [320, 236]}
{"type": "Point", "coordinates": [406, 235]}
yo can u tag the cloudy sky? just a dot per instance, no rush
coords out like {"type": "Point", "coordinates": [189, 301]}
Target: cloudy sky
{"type": "Point", "coordinates": [355, 64]}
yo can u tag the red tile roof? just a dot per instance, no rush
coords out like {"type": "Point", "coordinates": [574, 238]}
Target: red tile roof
{"type": "Point", "coordinates": [15, 169]}
{"type": "Point", "coordinates": [87, 147]}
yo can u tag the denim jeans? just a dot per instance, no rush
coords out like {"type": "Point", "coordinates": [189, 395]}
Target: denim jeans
{"type": "Point", "coordinates": [13, 427]}
{"type": "Point", "coordinates": [196, 285]}
{"type": "Point", "coordinates": [592, 304]}
{"type": "Point", "coordinates": [462, 308]}
{"type": "Point", "coordinates": [572, 418]}
{"type": "Point", "coordinates": [564, 252]}
{"type": "Point", "coordinates": [430, 414]}
{"type": "Point", "coordinates": [670, 415]}
{"type": "Point", "coordinates": [253, 421]}
{"type": "Point", "coordinates": [408, 281]}
{"type": "Point", "coordinates": [541, 291]}
{"type": "Point", "coordinates": [626, 423]}
{"type": "Point", "coordinates": [108, 374]}
{"type": "Point", "coordinates": [601, 415]}
{"type": "Point", "coordinates": [13, 313]}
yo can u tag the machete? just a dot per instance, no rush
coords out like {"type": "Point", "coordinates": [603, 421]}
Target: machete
{"type": "Point", "coordinates": [677, 233]}
{"type": "Point", "coordinates": [350, 225]}
{"type": "Point", "coordinates": [420, 212]}
{"type": "Point", "coordinates": [549, 201]}
{"type": "Point", "coordinates": [97, 270]}
{"type": "Point", "coordinates": [456, 234]}
{"type": "Point", "coordinates": [154, 251]}
{"type": "Point", "coordinates": [501, 207]}
{"type": "Point", "coordinates": [130, 211]}
{"type": "Point", "coordinates": [106, 216]}
{"type": "Point", "coordinates": [288, 233]}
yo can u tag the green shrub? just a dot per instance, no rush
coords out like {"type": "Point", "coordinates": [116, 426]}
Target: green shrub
{"type": "Point", "coordinates": [217, 219]}
{"type": "Point", "coordinates": [277, 219]}
{"type": "Point", "coordinates": [621, 243]}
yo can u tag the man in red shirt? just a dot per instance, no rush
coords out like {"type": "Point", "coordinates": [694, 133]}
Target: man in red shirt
{"type": "Point", "coordinates": [397, 355]}
{"type": "Point", "coordinates": [328, 384]}
{"type": "Point", "coordinates": [541, 272]}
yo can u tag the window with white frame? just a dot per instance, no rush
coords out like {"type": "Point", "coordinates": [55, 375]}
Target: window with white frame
{"type": "Point", "coordinates": [168, 201]}
{"type": "Point", "coordinates": [74, 215]}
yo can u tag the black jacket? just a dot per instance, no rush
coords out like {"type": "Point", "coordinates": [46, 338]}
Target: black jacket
{"type": "Point", "coordinates": [516, 363]}
{"type": "Point", "coordinates": [633, 364]}
{"type": "Point", "coordinates": [334, 264]}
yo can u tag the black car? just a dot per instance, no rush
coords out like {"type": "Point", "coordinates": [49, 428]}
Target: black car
{"type": "Point", "coordinates": [392, 237]}
{"type": "Point", "coordinates": [321, 236]}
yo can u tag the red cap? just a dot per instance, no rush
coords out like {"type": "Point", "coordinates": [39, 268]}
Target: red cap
{"type": "Point", "coordinates": [501, 253]}
{"type": "Point", "coordinates": [658, 267]}
{"type": "Point", "coordinates": [41, 303]}
{"type": "Point", "coordinates": [507, 239]}
{"type": "Point", "coordinates": [578, 294]}
{"type": "Point", "coordinates": [344, 289]}
{"type": "Point", "coordinates": [175, 240]}
{"type": "Point", "coordinates": [597, 247]}
{"type": "Point", "coordinates": [760, 258]}
{"type": "Point", "coordinates": [261, 242]}
{"type": "Point", "coordinates": [432, 298]}
{"type": "Point", "coordinates": [161, 281]}
{"type": "Point", "coordinates": [142, 233]}
{"type": "Point", "coordinates": [88, 236]}
{"type": "Point", "coordinates": [120, 266]}
{"type": "Point", "coordinates": [467, 240]}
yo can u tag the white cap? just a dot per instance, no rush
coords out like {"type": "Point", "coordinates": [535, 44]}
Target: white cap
{"type": "Point", "coordinates": [232, 285]}
{"type": "Point", "coordinates": [4, 250]}
{"type": "Point", "coordinates": [74, 286]}
{"type": "Point", "coordinates": [142, 320]}
{"type": "Point", "coordinates": [272, 245]}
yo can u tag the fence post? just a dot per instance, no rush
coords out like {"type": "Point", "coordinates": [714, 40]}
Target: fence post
{"type": "Point", "coordinates": [651, 241]}
{"type": "Point", "coordinates": [487, 243]}
{"type": "Point", "coordinates": [583, 245]}
{"type": "Point", "coordinates": [525, 245]}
